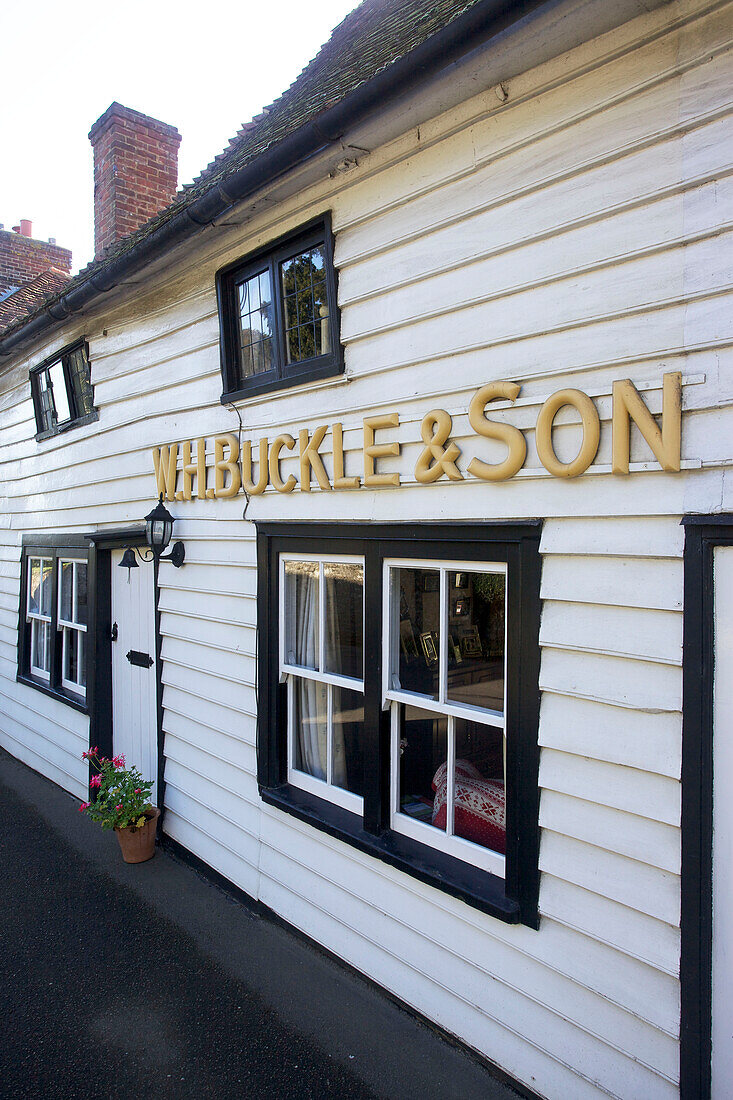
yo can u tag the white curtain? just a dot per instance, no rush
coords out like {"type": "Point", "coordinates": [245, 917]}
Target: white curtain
{"type": "Point", "coordinates": [313, 696]}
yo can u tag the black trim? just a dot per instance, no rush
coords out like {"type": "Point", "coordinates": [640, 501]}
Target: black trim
{"type": "Point", "coordinates": [283, 375]}
{"type": "Point", "coordinates": [512, 899]}
{"type": "Point", "coordinates": [78, 417]}
{"type": "Point", "coordinates": [55, 547]}
{"type": "Point", "coordinates": [259, 909]}
{"type": "Point", "coordinates": [116, 538]}
{"type": "Point", "coordinates": [159, 699]}
{"type": "Point", "coordinates": [702, 535]}
{"type": "Point", "coordinates": [461, 880]}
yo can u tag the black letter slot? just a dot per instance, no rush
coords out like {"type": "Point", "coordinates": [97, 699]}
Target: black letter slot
{"type": "Point", "coordinates": [142, 660]}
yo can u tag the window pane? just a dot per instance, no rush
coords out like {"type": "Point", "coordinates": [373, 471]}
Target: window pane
{"type": "Point", "coordinates": [301, 613]}
{"type": "Point", "coordinates": [476, 639]}
{"type": "Point", "coordinates": [66, 582]}
{"type": "Point", "coordinates": [82, 659]}
{"type": "Point", "coordinates": [40, 651]}
{"type": "Point", "coordinates": [344, 618]}
{"type": "Point", "coordinates": [45, 403]}
{"type": "Point", "coordinates": [81, 593]}
{"type": "Point", "coordinates": [310, 730]}
{"type": "Point", "coordinates": [479, 801]}
{"type": "Point", "coordinates": [416, 593]}
{"type": "Point", "coordinates": [80, 381]}
{"type": "Point", "coordinates": [71, 668]}
{"type": "Point", "coordinates": [255, 324]}
{"type": "Point", "coordinates": [35, 581]}
{"type": "Point", "coordinates": [423, 753]}
{"type": "Point", "coordinates": [304, 297]}
{"type": "Point", "coordinates": [46, 592]}
{"type": "Point", "coordinates": [348, 738]}
{"type": "Point", "coordinates": [60, 396]}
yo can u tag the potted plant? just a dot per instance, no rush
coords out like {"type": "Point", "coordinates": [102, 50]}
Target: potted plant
{"type": "Point", "coordinates": [123, 804]}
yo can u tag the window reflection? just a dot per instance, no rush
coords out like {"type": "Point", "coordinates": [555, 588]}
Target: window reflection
{"type": "Point", "coordinates": [417, 595]}
{"type": "Point", "coordinates": [476, 639]}
{"type": "Point", "coordinates": [306, 305]}
{"type": "Point", "coordinates": [255, 324]}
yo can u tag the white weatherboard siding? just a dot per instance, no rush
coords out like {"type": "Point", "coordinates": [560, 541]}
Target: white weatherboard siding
{"type": "Point", "coordinates": [569, 237]}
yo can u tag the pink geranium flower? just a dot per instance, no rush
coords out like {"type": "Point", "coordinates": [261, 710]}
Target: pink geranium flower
{"type": "Point", "coordinates": [95, 781]}
{"type": "Point", "coordinates": [119, 761]}
{"type": "Point", "coordinates": [119, 807]}
{"type": "Point", "coordinates": [84, 806]}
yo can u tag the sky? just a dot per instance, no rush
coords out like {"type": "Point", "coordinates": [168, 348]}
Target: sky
{"type": "Point", "coordinates": [205, 68]}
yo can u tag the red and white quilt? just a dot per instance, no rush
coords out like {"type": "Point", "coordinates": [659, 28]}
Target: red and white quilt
{"type": "Point", "coordinates": [479, 806]}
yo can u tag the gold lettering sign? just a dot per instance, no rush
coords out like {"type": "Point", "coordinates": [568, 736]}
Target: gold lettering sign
{"type": "Point", "coordinates": [233, 468]}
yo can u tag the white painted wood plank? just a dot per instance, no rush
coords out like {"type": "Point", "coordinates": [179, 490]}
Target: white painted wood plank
{"type": "Point", "coordinates": [230, 747]}
{"type": "Point", "coordinates": [629, 882]}
{"type": "Point", "coordinates": [630, 932]}
{"type": "Point", "coordinates": [617, 631]}
{"type": "Point", "coordinates": [628, 537]}
{"type": "Point", "coordinates": [622, 582]}
{"type": "Point", "coordinates": [652, 796]}
{"type": "Point", "coordinates": [626, 683]}
{"type": "Point", "coordinates": [621, 832]}
{"type": "Point", "coordinates": [226, 664]}
{"type": "Point", "coordinates": [635, 739]}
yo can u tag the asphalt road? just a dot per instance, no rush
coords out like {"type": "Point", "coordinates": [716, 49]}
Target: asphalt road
{"type": "Point", "coordinates": [121, 982]}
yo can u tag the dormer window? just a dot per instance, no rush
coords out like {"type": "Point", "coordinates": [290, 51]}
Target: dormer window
{"type": "Point", "coordinates": [62, 391]}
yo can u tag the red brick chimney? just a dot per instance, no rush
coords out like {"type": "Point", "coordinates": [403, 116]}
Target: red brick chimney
{"type": "Point", "coordinates": [22, 258]}
{"type": "Point", "coordinates": [135, 172]}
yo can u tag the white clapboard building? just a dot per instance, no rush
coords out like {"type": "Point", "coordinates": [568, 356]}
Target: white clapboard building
{"type": "Point", "coordinates": [432, 368]}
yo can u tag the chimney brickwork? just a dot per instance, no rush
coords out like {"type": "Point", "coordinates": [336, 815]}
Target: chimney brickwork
{"type": "Point", "coordinates": [135, 172]}
{"type": "Point", "coordinates": [22, 258]}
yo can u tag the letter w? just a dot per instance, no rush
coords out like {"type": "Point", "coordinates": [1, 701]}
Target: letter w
{"type": "Point", "coordinates": [165, 459]}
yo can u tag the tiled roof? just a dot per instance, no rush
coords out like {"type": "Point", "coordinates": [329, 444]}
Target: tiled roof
{"type": "Point", "coordinates": [24, 301]}
{"type": "Point", "coordinates": [367, 42]}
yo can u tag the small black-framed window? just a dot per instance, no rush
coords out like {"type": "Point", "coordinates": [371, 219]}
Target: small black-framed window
{"type": "Point", "coordinates": [55, 587]}
{"type": "Point", "coordinates": [425, 753]}
{"type": "Point", "coordinates": [62, 391]}
{"type": "Point", "coordinates": [278, 315]}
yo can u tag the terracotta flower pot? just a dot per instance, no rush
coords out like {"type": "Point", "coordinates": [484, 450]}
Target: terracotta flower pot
{"type": "Point", "coordinates": [139, 844]}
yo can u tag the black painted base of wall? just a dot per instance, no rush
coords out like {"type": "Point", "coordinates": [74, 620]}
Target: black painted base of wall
{"type": "Point", "coordinates": [174, 848]}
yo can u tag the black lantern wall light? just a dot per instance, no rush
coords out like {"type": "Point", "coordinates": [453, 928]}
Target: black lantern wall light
{"type": "Point", "coordinates": [158, 531]}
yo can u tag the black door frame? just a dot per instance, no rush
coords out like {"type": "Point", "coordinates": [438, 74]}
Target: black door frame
{"type": "Point", "coordinates": [100, 702]}
{"type": "Point", "coordinates": [702, 535]}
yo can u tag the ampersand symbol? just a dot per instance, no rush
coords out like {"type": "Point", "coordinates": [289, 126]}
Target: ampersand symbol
{"type": "Point", "coordinates": [437, 459]}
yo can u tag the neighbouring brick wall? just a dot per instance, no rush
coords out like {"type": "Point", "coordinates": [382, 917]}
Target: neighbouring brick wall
{"type": "Point", "coordinates": [22, 258]}
{"type": "Point", "coordinates": [135, 172]}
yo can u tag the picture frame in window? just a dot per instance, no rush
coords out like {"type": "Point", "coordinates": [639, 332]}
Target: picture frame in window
{"type": "Point", "coordinates": [429, 648]}
{"type": "Point", "coordinates": [471, 644]}
{"type": "Point", "coordinates": [461, 607]}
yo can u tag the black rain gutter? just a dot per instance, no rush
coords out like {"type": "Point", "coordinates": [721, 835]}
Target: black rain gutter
{"type": "Point", "coordinates": [473, 28]}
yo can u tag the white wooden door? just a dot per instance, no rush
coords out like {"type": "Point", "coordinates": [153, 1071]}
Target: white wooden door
{"type": "Point", "coordinates": [722, 992]}
{"type": "Point", "coordinates": [134, 704]}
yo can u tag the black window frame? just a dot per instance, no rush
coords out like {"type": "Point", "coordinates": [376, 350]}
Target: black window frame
{"type": "Point", "coordinates": [56, 547]}
{"type": "Point", "coordinates": [78, 416]}
{"type": "Point", "coordinates": [283, 375]}
{"type": "Point", "coordinates": [513, 898]}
